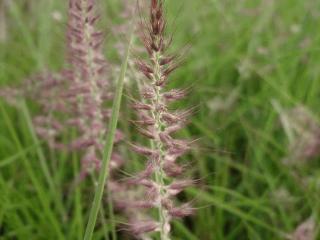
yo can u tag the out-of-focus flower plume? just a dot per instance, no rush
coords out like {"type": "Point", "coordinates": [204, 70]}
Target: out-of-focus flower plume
{"type": "Point", "coordinates": [75, 102]}
{"type": "Point", "coordinates": [303, 132]}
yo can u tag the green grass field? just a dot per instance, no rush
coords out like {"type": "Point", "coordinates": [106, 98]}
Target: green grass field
{"type": "Point", "coordinates": [249, 64]}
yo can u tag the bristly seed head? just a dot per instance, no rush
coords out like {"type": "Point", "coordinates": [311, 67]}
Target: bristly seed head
{"type": "Point", "coordinates": [158, 124]}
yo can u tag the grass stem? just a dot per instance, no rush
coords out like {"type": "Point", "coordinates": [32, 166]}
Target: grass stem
{"type": "Point", "coordinates": [108, 148]}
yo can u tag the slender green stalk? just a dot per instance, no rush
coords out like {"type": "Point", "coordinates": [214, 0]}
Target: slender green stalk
{"type": "Point", "coordinates": [43, 161]}
{"type": "Point", "coordinates": [77, 199]}
{"type": "Point", "coordinates": [36, 141]}
{"type": "Point", "coordinates": [45, 202]}
{"type": "Point", "coordinates": [111, 217]}
{"type": "Point", "coordinates": [158, 145]}
{"type": "Point", "coordinates": [108, 148]}
{"type": "Point", "coordinates": [102, 212]}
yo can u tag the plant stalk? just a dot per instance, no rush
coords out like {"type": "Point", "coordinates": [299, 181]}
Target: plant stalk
{"type": "Point", "coordinates": [104, 174]}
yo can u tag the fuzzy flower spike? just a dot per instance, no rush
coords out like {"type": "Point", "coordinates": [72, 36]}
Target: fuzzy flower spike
{"type": "Point", "coordinates": [75, 101]}
{"type": "Point", "coordinates": [91, 84]}
{"type": "Point", "coordinates": [158, 124]}
{"type": "Point", "coordinates": [78, 97]}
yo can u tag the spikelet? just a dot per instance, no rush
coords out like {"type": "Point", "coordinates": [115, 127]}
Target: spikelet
{"type": "Point", "coordinates": [158, 124]}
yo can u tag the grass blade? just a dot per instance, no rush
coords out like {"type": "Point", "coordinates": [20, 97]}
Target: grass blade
{"type": "Point", "coordinates": [108, 148]}
{"type": "Point", "coordinates": [42, 195]}
{"type": "Point", "coordinates": [233, 210]}
{"type": "Point", "coordinates": [42, 159]}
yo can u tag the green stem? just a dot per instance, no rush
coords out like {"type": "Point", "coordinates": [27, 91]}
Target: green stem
{"type": "Point", "coordinates": [111, 216]}
{"type": "Point", "coordinates": [43, 161]}
{"type": "Point", "coordinates": [108, 149]}
{"type": "Point", "coordinates": [36, 141]}
{"type": "Point", "coordinates": [102, 212]}
{"type": "Point", "coordinates": [43, 198]}
{"type": "Point", "coordinates": [159, 173]}
{"type": "Point", "coordinates": [77, 198]}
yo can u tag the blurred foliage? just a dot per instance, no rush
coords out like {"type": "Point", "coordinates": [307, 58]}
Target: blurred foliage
{"type": "Point", "coordinates": [244, 56]}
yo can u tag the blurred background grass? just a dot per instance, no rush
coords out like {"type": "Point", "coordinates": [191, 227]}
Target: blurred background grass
{"type": "Point", "coordinates": [250, 62]}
